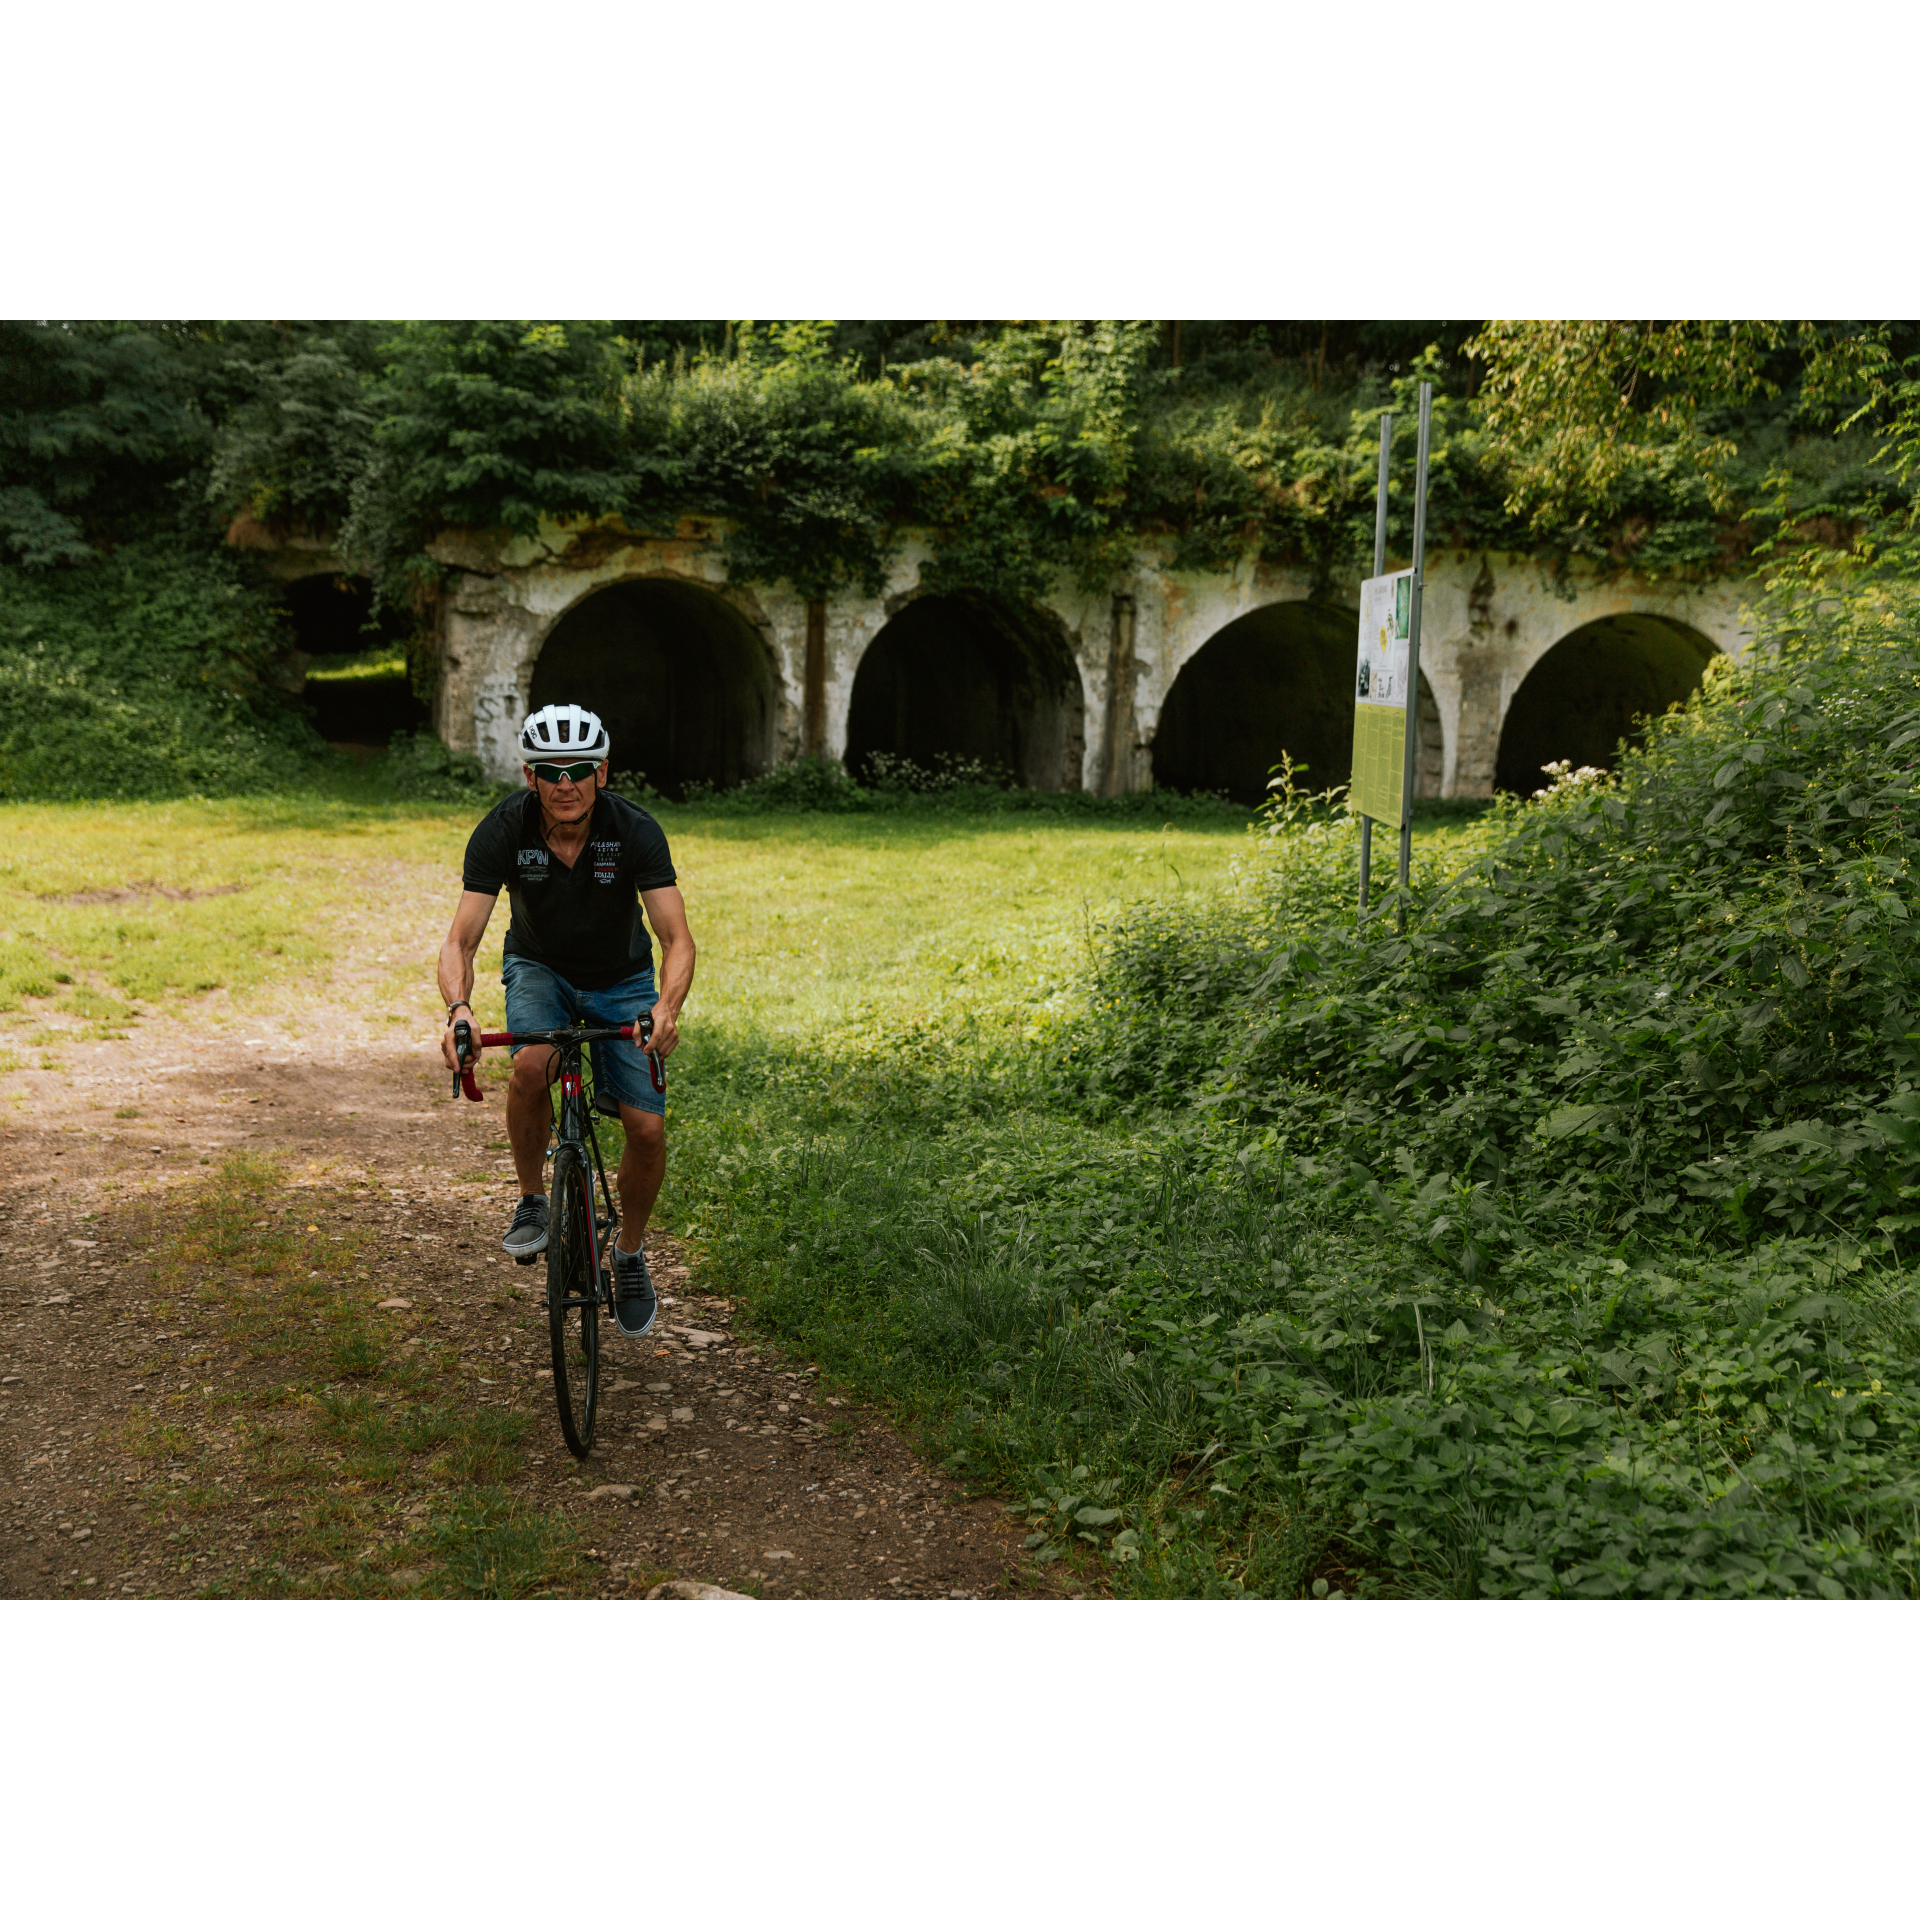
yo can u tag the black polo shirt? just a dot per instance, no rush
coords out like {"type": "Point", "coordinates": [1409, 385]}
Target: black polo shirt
{"type": "Point", "coordinates": [583, 921]}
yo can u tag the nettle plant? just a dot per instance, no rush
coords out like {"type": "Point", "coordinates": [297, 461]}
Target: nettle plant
{"type": "Point", "coordinates": [1687, 989]}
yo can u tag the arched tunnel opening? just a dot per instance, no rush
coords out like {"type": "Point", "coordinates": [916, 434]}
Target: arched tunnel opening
{"type": "Point", "coordinates": [356, 683]}
{"type": "Point", "coordinates": [1594, 689]}
{"type": "Point", "coordinates": [1276, 680]}
{"type": "Point", "coordinates": [968, 677]}
{"type": "Point", "coordinates": [681, 678]}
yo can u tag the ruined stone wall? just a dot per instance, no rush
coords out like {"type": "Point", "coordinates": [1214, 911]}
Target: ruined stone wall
{"type": "Point", "coordinates": [507, 596]}
{"type": "Point", "coordinates": [1488, 620]}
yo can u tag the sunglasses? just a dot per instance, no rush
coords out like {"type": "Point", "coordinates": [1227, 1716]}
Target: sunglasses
{"type": "Point", "coordinates": [578, 771]}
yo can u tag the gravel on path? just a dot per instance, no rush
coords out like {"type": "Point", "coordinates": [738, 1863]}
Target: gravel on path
{"type": "Point", "coordinates": [719, 1461]}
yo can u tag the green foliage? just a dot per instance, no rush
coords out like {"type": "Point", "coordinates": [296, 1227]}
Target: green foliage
{"type": "Point", "coordinates": [483, 424]}
{"type": "Point", "coordinates": [150, 672]}
{"type": "Point", "coordinates": [1026, 452]}
{"type": "Point", "coordinates": [420, 767]}
{"type": "Point", "coordinates": [101, 426]}
{"type": "Point", "coordinates": [1027, 456]}
{"type": "Point", "coordinates": [818, 784]}
{"type": "Point", "coordinates": [1583, 404]}
{"type": "Point", "coordinates": [1678, 446]}
{"type": "Point", "coordinates": [805, 459]}
{"type": "Point", "coordinates": [1243, 1374]}
{"type": "Point", "coordinates": [1561, 1245]}
{"type": "Point", "coordinates": [299, 441]}
{"type": "Point", "coordinates": [1683, 992]}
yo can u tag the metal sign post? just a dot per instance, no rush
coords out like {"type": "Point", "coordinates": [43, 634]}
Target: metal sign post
{"type": "Point", "coordinates": [1413, 646]}
{"type": "Point", "coordinates": [1379, 567]}
{"type": "Point", "coordinates": [1386, 715]}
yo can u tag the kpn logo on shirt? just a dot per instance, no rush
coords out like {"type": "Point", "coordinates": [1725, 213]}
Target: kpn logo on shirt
{"type": "Point", "coordinates": [533, 864]}
{"type": "Point", "coordinates": [606, 860]}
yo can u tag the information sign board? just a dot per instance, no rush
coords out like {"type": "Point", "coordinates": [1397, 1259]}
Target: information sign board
{"type": "Point", "coordinates": [1380, 696]}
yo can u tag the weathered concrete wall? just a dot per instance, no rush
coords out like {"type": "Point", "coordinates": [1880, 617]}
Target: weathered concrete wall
{"type": "Point", "coordinates": [508, 596]}
{"type": "Point", "coordinates": [1488, 620]}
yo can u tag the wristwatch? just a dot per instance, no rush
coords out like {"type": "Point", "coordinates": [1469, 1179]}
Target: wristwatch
{"type": "Point", "coordinates": [455, 1008]}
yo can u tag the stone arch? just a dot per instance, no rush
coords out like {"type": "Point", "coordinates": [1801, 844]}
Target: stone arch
{"type": "Point", "coordinates": [974, 677]}
{"type": "Point", "coordinates": [333, 623]}
{"type": "Point", "coordinates": [1588, 692]}
{"type": "Point", "coordinates": [1278, 679]}
{"type": "Point", "coordinates": [682, 677]}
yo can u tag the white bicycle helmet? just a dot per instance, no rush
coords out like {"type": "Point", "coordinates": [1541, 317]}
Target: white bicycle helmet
{"type": "Point", "coordinates": [570, 732]}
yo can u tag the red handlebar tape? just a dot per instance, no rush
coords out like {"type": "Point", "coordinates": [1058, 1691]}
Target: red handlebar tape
{"type": "Point", "coordinates": [472, 1092]}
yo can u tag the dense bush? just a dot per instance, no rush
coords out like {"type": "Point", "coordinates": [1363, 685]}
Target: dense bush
{"type": "Point", "coordinates": [420, 767]}
{"type": "Point", "coordinates": [1559, 1245]}
{"type": "Point", "coordinates": [1032, 451]}
{"type": "Point", "coordinates": [1690, 987]}
{"type": "Point", "coordinates": [817, 784]}
{"type": "Point", "coordinates": [149, 672]}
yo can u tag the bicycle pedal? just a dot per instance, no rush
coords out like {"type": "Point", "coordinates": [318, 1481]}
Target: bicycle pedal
{"type": "Point", "coordinates": [525, 1259]}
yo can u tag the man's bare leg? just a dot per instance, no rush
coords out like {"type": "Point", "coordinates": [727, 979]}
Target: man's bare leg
{"type": "Point", "coordinates": [530, 1117]}
{"type": "Point", "coordinates": [643, 1166]}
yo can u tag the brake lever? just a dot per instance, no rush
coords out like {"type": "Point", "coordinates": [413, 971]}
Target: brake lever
{"type": "Point", "coordinates": [656, 1067]}
{"type": "Point", "coordinates": [466, 1052]}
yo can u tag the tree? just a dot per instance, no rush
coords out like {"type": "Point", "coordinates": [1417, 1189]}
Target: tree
{"type": "Point", "coordinates": [1584, 415]}
{"type": "Point", "coordinates": [102, 426]}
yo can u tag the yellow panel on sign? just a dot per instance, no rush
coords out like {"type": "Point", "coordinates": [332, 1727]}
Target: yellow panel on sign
{"type": "Point", "coordinates": [1379, 762]}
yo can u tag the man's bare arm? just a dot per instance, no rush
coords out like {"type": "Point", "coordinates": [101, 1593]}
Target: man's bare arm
{"type": "Point", "coordinates": [456, 959]}
{"type": "Point", "coordinates": [667, 915]}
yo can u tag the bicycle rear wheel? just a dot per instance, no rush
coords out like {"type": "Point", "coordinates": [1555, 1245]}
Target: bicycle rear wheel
{"type": "Point", "coordinates": [573, 1299]}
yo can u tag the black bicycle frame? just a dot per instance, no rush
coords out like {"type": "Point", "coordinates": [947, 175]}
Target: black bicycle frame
{"type": "Point", "coordinates": [571, 1123]}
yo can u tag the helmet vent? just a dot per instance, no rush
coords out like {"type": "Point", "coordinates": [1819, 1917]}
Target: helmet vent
{"type": "Point", "coordinates": [569, 725]}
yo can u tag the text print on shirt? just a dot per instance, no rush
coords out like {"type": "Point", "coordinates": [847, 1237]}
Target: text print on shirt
{"type": "Point", "coordinates": [533, 864]}
{"type": "Point", "coordinates": [606, 861]}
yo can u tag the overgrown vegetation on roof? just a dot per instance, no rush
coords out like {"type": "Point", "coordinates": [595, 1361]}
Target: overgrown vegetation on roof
{"type": "Point", "coordinates": [1025, 451]}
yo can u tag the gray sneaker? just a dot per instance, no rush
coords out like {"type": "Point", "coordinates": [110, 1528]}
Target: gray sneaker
{"type": "Point", "coordinates": [528, 1234]}
{"type": "Point", "coordinates": [634, 1302]}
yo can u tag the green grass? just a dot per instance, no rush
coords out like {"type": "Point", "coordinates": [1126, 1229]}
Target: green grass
{"type": "Point", "coordinates": [380, 663]}
{"type": "Point", "coordinates": [844, 960]}
{"type": "Point", "coordinates": [800, 918]}
{"type": "Point", "coordinates": [1565, 1246]}
{"type": "Point", "coordinates": [357, 1455]}
{"type": "Point", "coordinates": [853, 1147]}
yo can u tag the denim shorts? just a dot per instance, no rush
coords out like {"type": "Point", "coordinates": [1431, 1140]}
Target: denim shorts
{"type": "Point", "coordinates": [539, 997]}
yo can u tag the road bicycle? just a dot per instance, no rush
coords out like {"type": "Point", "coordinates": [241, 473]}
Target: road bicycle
{"type": "Point", "coordinates": [580, 1237]}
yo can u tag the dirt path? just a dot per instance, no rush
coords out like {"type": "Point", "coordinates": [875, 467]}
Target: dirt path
{"type": "Point", "coordinates": [170, 1426]}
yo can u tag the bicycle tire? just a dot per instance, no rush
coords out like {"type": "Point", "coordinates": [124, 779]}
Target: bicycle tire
{"type": "Point", "coordinates": [573, 1317]}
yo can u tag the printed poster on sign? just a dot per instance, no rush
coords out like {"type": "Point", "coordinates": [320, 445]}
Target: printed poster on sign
{"type": "Point", "coordinates": [1386, 610]}
{"type": "Point", "coordinates": [1378, 781]}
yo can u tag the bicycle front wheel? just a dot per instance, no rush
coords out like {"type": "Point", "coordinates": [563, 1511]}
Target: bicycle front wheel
{"type": "Point", "coordinates": [573, 1298]}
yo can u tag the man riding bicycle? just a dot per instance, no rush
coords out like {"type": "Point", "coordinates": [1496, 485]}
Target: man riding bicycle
{"type": "Point", "coordinates": [585, 871]}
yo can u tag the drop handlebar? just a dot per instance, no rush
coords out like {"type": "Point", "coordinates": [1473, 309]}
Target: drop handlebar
{"type": "Point", "coordinates": [467, 1052]}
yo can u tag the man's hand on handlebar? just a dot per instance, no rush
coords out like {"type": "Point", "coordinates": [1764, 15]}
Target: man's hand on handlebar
{"type": "Point", "coordinates": [666, 1032]}
{"type": "Point", "coordinates": [447, 1041]}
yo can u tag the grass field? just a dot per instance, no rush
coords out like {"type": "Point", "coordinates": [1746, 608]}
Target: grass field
{"type": "Point", "coordinates": [838, 953]}
{"type": "Point", "coordinates": [1198, 1360]}
{"type": "Point", "coordinates": [801, 919]}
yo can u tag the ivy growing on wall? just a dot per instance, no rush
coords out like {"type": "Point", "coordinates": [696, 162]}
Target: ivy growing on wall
{"type": "Point", "coordinates": [1024, 451]}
